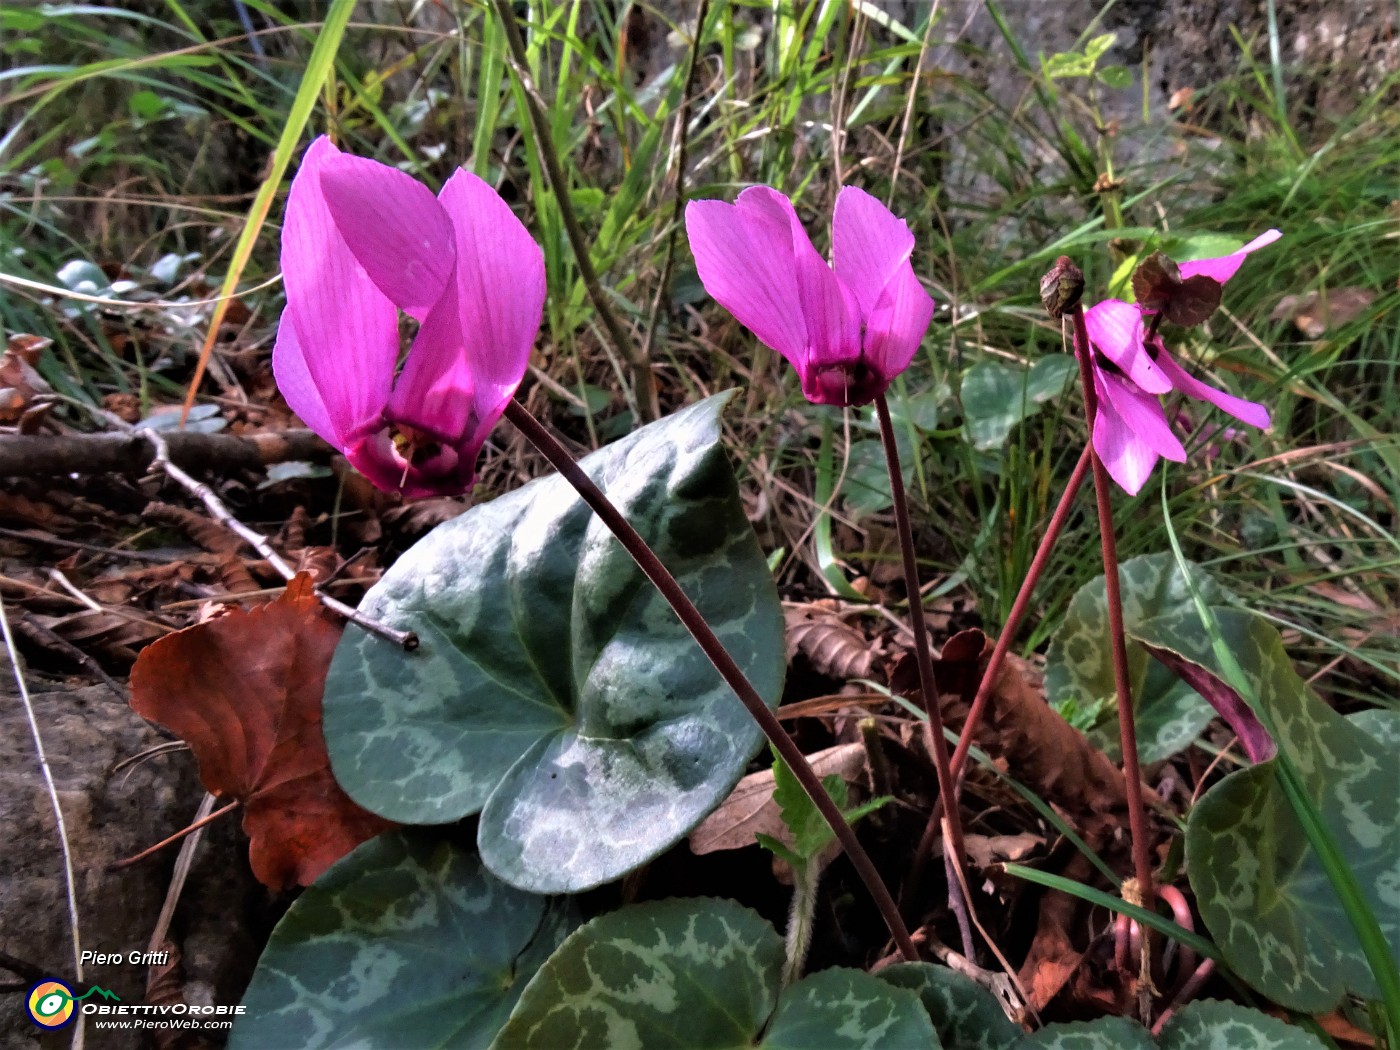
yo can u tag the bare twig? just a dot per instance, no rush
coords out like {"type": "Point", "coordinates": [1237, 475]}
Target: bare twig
{"type": "Point", "coordinates": [183, 863]}
{"type": "Point", "coordinates": [406, 639]}
{"type": "Point", "coordinates": [37, 455]}
{"type": "Point", "coordinates": [53, 800]}
{"type": "Point", "coordinates": [184, 833]}
{"type": "Point", "coordinates": [41, 635]}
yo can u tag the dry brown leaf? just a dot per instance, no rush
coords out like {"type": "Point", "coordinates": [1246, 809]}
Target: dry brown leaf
{"type": "Point", "coordinates": [1315, 313]}
{"type": "Point", "coordinates": [834, 647]}
{"type": "Point", "coordinates": [234, 575]}
{"type": "Point", "coordinates": [320, 562]}
{"type": "Point", "coordinates": [986, 850]}
{"type": "Point", "coordinates": [1053, 958]}
{"type": "Point", "coordinates": [750, 810]}
{"type": "Point", "coordinates": [165, 986]}
{"type": "Point", "coordinates": [1045, 751]}
{"type": "Point", "coordinates": [244, 691]}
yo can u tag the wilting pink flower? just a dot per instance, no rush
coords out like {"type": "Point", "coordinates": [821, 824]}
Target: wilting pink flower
{"type": "Point", "coordinates": [1131, 429]}
{"type": "Point", "coordinates": [362, 241]}
{"type": "Point", "coordinates": [848, 328]}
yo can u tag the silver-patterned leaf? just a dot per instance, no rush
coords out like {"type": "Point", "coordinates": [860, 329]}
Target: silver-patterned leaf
{"type": "Point", "coordinates": [1261, 889]}
{"type": "Point", "coordinates": [555, 691]}
{"type": "Point", "coordinates": [407, 941]}
{"type": "Point", "coordinates": [1105, 1033]}
{"type": "Point", "coordinates": [1170, 714]}
{"type": "Point", "coordinates": [843, 1009]}
{"type": "Point", "coordinates": [684, 973]}
{"type": "Point", "coordinates": [1208, 1024]}
{"type": "Point", "coordinates": [677, 973]}
{"type": "Point", "coordinates": [965, 1015]}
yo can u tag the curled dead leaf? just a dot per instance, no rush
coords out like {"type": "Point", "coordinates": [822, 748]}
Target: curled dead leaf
{"type": "Point", "coordinates": [834, 647]}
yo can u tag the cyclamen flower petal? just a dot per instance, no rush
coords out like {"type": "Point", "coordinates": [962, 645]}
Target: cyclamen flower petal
{"type": "Point", "coordinates": [339, 332]}
{"type": "Point", "coordinates": [361, 241]}
{"type": "Point", "coordinates": [1115, 330]}
{"type": "Point", "coordinates": [1222, 268]}
{"type": "Point", "coordinates": [1117, 333]}
{"type": "Point", "coordinates": [1125, 455]}
{"type": "Point", "coordinates": [848, 330]}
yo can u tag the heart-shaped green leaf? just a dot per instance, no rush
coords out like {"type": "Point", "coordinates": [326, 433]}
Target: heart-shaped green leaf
{"type": "Point", "coordinates": [995, 397]}
{"type": "Point", "coordinates": [1202, 1025]}
{"type": "Point", "coordinates": [1261, 889]}
{"type": "Point", "coordinates": [678, 974]}
{"type": "Point", "coordinates": [1105, 1033]}
{"type": "Point", "coordinates": [555, 691]}
{"type": "Point", "coordinates": [1079, 668]}
{"type": "Point", "coordinates": [407, 941]}
{"type": "Point", "coordinates": [965, 1015]}
{"type": "Point", "coordinates": [1208, 1024]}
{"type": "Point", "coordinates": [843, 1009]}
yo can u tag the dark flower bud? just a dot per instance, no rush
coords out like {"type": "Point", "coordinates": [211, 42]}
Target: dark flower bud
{"type": "Point", "coordinates": [1062, 287]}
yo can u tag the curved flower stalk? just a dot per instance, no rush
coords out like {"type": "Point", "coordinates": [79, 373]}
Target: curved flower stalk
{"type": "Point", "coordinates": [363, 241]}
{"type": "Point", "coordinates": [848, 328]}
{"type": "Point", "coordinates": [1132, 368]}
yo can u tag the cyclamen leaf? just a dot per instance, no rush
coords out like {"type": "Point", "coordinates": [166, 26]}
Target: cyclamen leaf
{"type": "Point", "coordinates": [1254, 738]}
{"type": "Point", "coordinates": [1201, 1025]}
{"type": "Point", "coordinates": [965, 1015]}
{"type": "Point", "coordinates": [555, 692]}
{"type": "Point", "coordinates": [1207, 1024]}
{"type": "Point", "coordinates": [406, 942]}
{"type": "Point", "coordinates": [1170, 713]}
{"type": "Point", "coordinates": [678, 974]}
{"type": "Point", "coordinates": [1106, 1033]}
{"type": "Point", "coordinates": [1260, 887]}
{"type": "Point", "coordinates": [244, 691]}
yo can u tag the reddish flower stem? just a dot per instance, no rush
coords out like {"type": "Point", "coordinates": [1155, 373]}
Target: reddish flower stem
{"type": "Point", "coordinates": [938, 747]}
{"type": "Point", "coordinates": [713, 648]}
{"type": "Point", "coordinates": [1018, 612]}
{"type": "Point", "coordinates": [998, 657]}
{"type": "Point", "coordinates": [1127, 723]}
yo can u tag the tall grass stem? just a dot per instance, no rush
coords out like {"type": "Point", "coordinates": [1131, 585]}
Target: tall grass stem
{"type": "Point", "coordinates": [643, 382]}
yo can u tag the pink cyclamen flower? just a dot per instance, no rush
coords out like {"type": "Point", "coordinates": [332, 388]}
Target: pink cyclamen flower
{"type": "Point", "coordinates": [362, 241]}
{"type": "Point", "coordinates": [848, 328]}
{"type": "Point", "coordinates": [1130, 371]}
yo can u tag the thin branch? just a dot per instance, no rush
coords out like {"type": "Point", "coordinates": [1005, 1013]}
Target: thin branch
{"type": "Point", "coordinates": [406, 639]}
{"type": "Point", "coordinates": [714, 649]}
{"type": "Point", "coordinates": [519, 60]}
{"type": "Point", "coordinates": [199, 823]}
{"type": "Point", "coordinates": [36, 455]}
